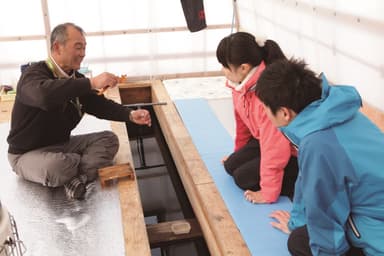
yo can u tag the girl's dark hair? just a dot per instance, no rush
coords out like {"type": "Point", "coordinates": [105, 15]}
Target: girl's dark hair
{"type": "Point", "coordinates": [241, 47]}
{"type": "Point", "coordinates": [290, 84]}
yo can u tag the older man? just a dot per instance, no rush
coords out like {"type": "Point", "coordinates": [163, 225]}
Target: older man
{"type": "Point", "coordinates": [52, 97]}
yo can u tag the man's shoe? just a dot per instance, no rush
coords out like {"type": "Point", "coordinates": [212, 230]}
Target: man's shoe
{"type": "Point", "coordinates": [75, 188]}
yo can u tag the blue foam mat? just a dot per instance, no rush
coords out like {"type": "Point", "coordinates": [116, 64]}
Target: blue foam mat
{"type": "Point", "coordinates": [213, 142]}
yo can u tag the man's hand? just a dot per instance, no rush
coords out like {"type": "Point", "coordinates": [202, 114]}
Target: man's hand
{"type": "Point", "coordinates": [103, 81]}
{"type": "Point", "coordinates": [282, 218]}
{"type": "Point", "coordinates": [141, 116]}
{"type": "Point", "coordinates": [255, 197]}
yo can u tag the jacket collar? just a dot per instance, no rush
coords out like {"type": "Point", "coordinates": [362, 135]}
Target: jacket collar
{"type": "Point", "coordinates": [337, 105]}
{"type": "Point", "coordinates": [249, 80]}
{"type": "Point", "coordinates": [57, 71]}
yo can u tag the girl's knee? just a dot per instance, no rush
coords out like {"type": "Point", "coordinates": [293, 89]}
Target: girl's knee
{"type": "Point", "coordinates": [241, 181]}
{"type": "Point", "coordinates": [228, 167]}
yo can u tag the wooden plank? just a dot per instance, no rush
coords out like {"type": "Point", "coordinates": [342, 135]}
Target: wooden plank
{"type": "Point", "coordinates": [374, 114]}
{"type": "Point", "coordinates": [177, 135]}
{"type": "Point", "coordinates": [163, 234]}
{"type": "Point", "coordinates": [229, 238]}
{"type": "Point", "coordinates": [5, 111]}
{"type": "Point", "coordinates": [220, 231]}
{"type": "Point", "coordinates": [115, 172]}
{"type": "Point", "coordinates": [136, 95]}
{"type": "Point", "coordinates": [134, 228]}
{"type": "Point", "coordinates": [174, 76]}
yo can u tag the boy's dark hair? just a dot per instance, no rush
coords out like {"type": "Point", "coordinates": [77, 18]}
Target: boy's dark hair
{"type": "Point", "coordinates": [290, 84]}
{"type": "Point", "coordinates": [241, 47]}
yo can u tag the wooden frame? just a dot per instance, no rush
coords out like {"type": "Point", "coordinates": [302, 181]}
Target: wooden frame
{"type": "Point", "coordinates": [220, 232]}
{"type": "Point", "coordinates": [374, 114]}
{"type": "Point", "coordinates": [134, 228]}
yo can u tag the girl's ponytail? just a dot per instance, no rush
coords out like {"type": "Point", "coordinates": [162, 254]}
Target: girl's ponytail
{"type": "Point", "coordinates": [272, 52]}
{"type": "Point", "coordinates": [243, 47]}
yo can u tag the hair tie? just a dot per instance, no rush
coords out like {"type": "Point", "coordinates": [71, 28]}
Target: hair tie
{"type": "Point", "coordinates": [261, 41]}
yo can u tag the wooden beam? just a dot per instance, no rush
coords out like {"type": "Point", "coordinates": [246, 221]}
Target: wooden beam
{"type": "Point", "coordinates": [136, 95]}
{"type": "Point", "coordinates": [374, 114]}
{"type": "Point", "coordinates": [134, 228]}
{"type": "Point", "coordinates": [152, 30]}
{"type": "Point", "coordinates": [220, 232]}
{"type": "Point", "coordinates": [110, 32]}
{"type": "Point", "coordinates": [163, 234]}
{"type": "Point", "coordinates": [174, 76]}
{"type": "Point", "coordinates": [5, 110]}
{"type": "Point", "coordinates": [115, 172]}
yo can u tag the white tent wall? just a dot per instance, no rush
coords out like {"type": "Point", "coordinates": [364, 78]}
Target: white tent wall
{"type": "Point", "coordinates": [138, 38]}
{"type": "Point", "coordinates": [342, 38]}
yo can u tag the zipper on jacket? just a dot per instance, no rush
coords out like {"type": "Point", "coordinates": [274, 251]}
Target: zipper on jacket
{"type": "Point", "coordinates": [246, 101]}
{"type": "Point", "coordinates": [291, 141]}
{"type": "Point", "coordinates": [353, 227]}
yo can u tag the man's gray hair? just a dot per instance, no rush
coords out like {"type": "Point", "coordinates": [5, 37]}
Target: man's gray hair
{"type": "Point", "coordinates": [59, 33]}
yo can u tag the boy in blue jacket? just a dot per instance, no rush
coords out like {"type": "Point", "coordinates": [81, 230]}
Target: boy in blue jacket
{"type": "Point", "coordinates": [338, 203]}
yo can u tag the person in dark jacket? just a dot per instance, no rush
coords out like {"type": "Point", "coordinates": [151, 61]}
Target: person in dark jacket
{"type": "Point", "coordinates": [52, 97]}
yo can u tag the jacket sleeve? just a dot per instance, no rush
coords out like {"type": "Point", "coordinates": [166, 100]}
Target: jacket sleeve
{"type": "Point", "coordinates": [325, 170]}
{"type": "Point", "coordinates": [104, 108]}
{"type": "Point", "coordinates": [243, 134]}
{"type": "Point", "coordinates": [38, 88]}
{"type": "Point", "coordinates": [275, 154]}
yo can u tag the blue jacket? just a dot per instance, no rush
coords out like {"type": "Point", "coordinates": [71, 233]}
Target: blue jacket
{"type": "Point", "coordinates": [339, 193]}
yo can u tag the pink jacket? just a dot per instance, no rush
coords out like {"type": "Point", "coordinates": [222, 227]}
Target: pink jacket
{"type": "Point", "coordinates": [251, 120]}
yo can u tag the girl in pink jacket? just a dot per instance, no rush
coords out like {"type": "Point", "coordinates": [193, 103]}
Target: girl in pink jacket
{"type": "Point", "coordinates": [263, 163]}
